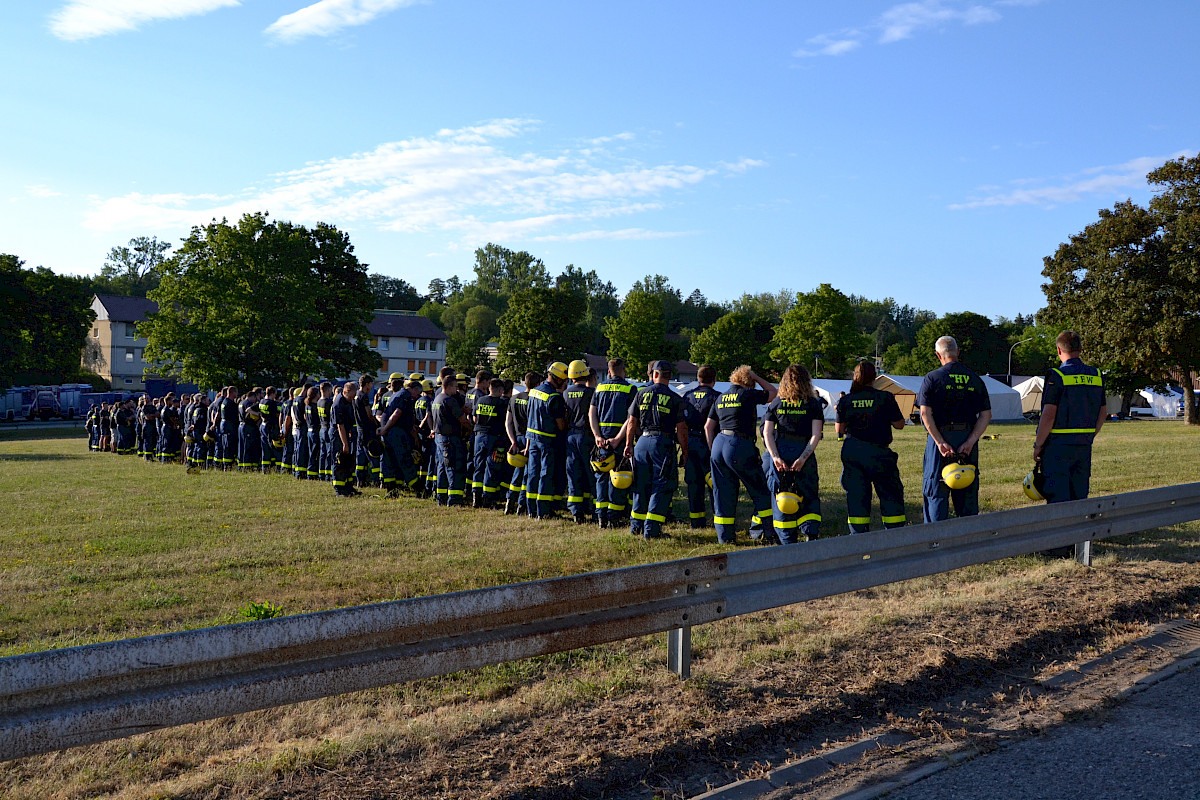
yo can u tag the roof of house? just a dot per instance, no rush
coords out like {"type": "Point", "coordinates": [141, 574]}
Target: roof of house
{"type": "Point", "coordinates": [412, 326]}
{"type": "Point", "coordinates": [126, 309]}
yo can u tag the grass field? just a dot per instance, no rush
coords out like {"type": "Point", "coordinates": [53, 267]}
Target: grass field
{"type": "Point", "coordinates": [101, 547]}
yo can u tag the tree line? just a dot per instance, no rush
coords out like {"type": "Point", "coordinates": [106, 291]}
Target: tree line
{"type": "Point", "coordinates": [269, 301]}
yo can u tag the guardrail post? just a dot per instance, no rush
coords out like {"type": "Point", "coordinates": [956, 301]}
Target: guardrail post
{"type": "Point", "coordinates": [1083, 553]}
{"type": "Point", "coordinates": [679, 651]}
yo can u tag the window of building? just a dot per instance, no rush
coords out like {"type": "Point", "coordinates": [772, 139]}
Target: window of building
{"type": "Point", "coordinates": [412, 365]}
{"type": "Point", "coordinates": [433, 346]}
{"type": "Point", "coordinates": [129, 354]}
{"type": "Point", "coordinates": [374, 342]}
{"type": "Point", "coordinates": [129, 380]}
{"type": "Point", "coordinates": [383, 343]}
{"type": "Point", "coordinates": [384, 368]}
{"type": "Point", "coordinates": [412, 346]}
{"type": "Point", "coordinates": [130, 330]}
{"type": "Point", "coordinates": [421, 344]}
{"type": "Point", "coordinates": [95, 333]}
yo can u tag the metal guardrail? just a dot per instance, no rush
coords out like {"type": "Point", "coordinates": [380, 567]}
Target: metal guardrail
{"type": "Point", "coordinates": [63, 698]}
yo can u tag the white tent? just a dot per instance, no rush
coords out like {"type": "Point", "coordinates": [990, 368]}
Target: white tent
{"type": "Point", "coordinates": [1006, 402]}
{"type": "Point", "coordinates": [830, 391]}
{"type": "Point", "coordinates": [1031, 394]}
{"type": "Point", "coordinates": [720, 386]}
{"type": "Point", "coordinates": [1163, 405]}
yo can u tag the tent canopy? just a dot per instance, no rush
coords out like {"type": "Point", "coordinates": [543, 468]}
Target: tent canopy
{"type": "Point", "coordinates": [906, 398]}
{"type": "Point", "coordinates": [1006, 402]}
{"type": "Point", "coordinates": [1031, 394]}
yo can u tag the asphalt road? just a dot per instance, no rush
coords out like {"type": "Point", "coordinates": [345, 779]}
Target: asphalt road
{"type": "Point", "coordinates": [1147, 748]}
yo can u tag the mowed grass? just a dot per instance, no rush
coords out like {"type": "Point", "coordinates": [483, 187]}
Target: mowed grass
{"type": "Point", "coordinates": [101, 547]}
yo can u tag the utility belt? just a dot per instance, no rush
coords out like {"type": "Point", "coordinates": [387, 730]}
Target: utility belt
{"type": "Point", "coordinates": [663, 434]}
{"type": "Point", "coordinates": [958, 426]}
{"type": "Point", "coordinates": [739, 435]}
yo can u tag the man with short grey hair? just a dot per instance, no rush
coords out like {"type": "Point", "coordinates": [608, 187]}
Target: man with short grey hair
{"type": "Point", "coordinates": [956, 410]}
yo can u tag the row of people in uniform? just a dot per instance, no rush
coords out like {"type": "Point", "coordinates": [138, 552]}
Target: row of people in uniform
{"type": "Point", "coordinates": [608, 452]}
{"type": "Point", "coordinates": [151, 428]}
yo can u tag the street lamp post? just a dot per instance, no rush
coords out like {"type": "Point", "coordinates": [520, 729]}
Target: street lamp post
{"type": "Point", "coordinates": [1010, 351]}
{"type": "Point", "coordinates": [817, 363]}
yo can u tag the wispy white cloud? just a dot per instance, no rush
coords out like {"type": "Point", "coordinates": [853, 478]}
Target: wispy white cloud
{"type": "Point", "coordinates": [902, 22]}
{"type": "Point", "coordinates": [463, 182]}
{"type": "Point", "coordinates": [327, 17]}
{"type": "Point", "coordinates": [1116, 181]}
{"type": "Point", "coordinates": [85, 19]}
{"type": "Point", "coordinates": [40, 190]}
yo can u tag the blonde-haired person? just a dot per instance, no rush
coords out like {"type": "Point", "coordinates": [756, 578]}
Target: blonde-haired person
{"type": "Point", "coordinates": [866, 418]}
{"type": "Point", "coordinates": [731, 434]}
{"type": "Point", "coordinates": [791, 433]}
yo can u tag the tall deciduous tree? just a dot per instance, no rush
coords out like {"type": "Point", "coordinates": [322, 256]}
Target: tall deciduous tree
{"type": "Point", "coordinates": [261, 302]}
{"type": "Point", "coordinates": [728, 343]}
{"type": "Point", "coordinates": [394, 293]}
{"type": "Point", "coordinates": [134, 269]}
{"type": "Point", "coordinates": [821, 321]}
{"type": "Point", "coordinates": [506, 272]}
{"type": "Point", "coordinates": [539, 327]}
{"type": "Point", "coordinates": [1130, 282]}
{"type": "Point", "coordinates": [44, 322]}
{"type": "Point", "coordinates": [637, 333]}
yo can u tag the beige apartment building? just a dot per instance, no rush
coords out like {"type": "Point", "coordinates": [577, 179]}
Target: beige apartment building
{"type": "Point", "coordinates": [405, 341]}
{"type": "Point", "coordinates": [114, 349]}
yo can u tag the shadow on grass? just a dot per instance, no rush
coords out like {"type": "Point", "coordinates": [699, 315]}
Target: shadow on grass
{"type": "Point", "coordinates": [11, 434]}
{"type": "Point", "coordinates": [39, 457]}
{"type": "Point", "coordinates": [846, 714]}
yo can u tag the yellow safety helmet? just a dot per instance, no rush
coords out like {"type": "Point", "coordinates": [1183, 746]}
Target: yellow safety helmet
{"type": "Point", "coordinates": [558, 370]}
{"type": "Point", "coordinates": [189, 439]}
{"type": "Point", "coordinates": [461, 377]}
{"type": "Point", "coordinates": [708, 479]}
{"type": "Point", "coordinates": [518, 460]}
{"type": "Point", "coordinates": [375, 448]}
{"type": "Point", "coordinates": [621, 478]}
{"type": "Point", "coordinates": [578, 369]}
{"type": "Point", "coordinates": [254, 413]}
{"type": "Point", "coordinates": [603, 461]}
{"type": "Point", "coordinates": [277, 442]}
{"type": "Point", "coordinates": [417, 376]}
{"type": "Point", "coordinates": [298, 393]}
{"type": "Point", "coordinates": [395, 376]}
{"type": "Point", "coordinates": [1034, 483]}
{"type": "Point", "coordinates": [426, 385]}
{"type": "Point", "coordinates": [208, 437]}
{"type": "Point", "coordinates": [958, 476]}
{"type": "Point", "coordinates": [788, 502]}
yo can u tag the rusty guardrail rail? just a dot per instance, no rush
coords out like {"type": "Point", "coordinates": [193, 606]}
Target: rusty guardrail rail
{"type": "Point", "coordinates": [81, 695]}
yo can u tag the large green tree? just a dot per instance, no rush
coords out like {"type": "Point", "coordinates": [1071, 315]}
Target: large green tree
{"type": "Point", "coordinates": [506, 272]}
{"type": "Point", "coordinates": [539, 327]}
{"type": "Point", "coordinates": [982, 346]}
{"type": "Point", "coordinates": [261, 301]}
{"type": "Point", "coordinates": [465, 351]}
{"type": "Point", "coordinates": [394, 293]}
{"type": "Point", "coordinates": [636, 334]}
{"type": "Point", "coordinates": [133, 269]}
{"type": "Point", "coordinates": [600, 302]}
{"type": "Point", "coordinates": [821, 321]}
{"type": "Point", "coordinates": [730, 342]}
{"type": "Point", "coordinates": [44, 323]}
{"type": "Point", "coordinates": [1130, 282]}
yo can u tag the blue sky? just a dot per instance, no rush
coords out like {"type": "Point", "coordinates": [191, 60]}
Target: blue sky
{"type": "Point", "coordinates": [931, 151]}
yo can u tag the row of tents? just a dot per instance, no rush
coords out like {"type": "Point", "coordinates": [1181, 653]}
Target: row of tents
{"type": "Point", "coordinates": [1006, 402]}
{"type": "Point", "coordinates": [1147, 402]}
